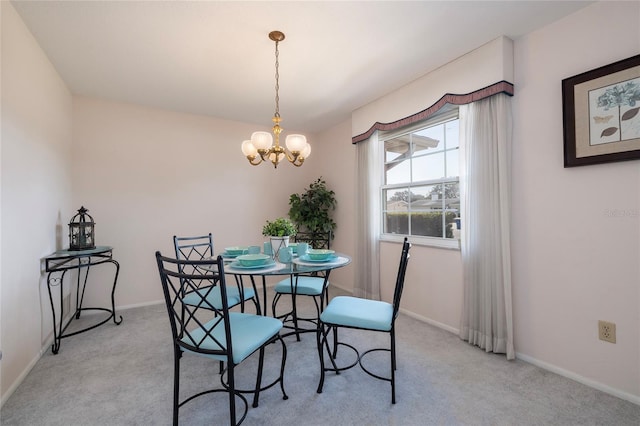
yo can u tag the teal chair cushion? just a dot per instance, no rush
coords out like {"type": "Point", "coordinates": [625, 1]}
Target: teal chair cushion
{"type": "Point", "coordinates": [233, 291]}
{"type": "Point", "coordinates": [308, 286]}
{"type": "Point", "coordinates": [356, 312]}
{"type": "Point", "coordinates": [194, 298]}
{"type": "Point", "coordinates": [248, 333]}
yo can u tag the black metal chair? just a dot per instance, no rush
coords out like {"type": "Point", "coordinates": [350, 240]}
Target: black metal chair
{"type": "Point", "coordinates": [201, 248]}
{"type": "Point", "coordinates": [362, 314]}
{"type": "Point", "coordinates": [206, 329]}
{"type": "Point", "coordinates": [314, 285]}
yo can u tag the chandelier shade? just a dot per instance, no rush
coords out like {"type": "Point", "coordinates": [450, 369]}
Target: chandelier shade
{"type": "Point", "coordinates": [261, 146]}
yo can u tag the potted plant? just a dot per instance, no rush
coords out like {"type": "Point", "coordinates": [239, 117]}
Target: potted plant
{"type": "Point", "coordinates": [279, 232]}
{"type": "Point", "coordinates": [311, 211]}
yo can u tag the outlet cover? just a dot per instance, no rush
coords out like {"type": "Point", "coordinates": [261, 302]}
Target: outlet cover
{"type": "Point", "coordinates": [607, 331]}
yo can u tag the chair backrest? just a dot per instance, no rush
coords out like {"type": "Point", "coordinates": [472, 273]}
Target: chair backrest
{"type": "Point", "coordinates": [316, 240]}
{"type": "Point", "coordinates": [197, 326]}
{"type": "Point", "coordinates": [402, 269]}
{"type": "Point", "coordinates": [193, 248]}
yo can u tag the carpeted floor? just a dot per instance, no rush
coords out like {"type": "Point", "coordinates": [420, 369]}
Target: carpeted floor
{"type": "Point", "coordinates": [122, 375]}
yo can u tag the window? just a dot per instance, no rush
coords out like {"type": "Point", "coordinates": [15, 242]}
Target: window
{"type": "Point", "coordinates": [421, 190]}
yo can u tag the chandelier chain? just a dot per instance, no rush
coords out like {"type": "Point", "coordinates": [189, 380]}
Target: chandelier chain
{"type": "Point", "coordinates": [277, 83]}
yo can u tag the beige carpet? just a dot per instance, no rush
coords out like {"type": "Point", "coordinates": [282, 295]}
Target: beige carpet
{"type": "Point", "coordinates": [122, 375]}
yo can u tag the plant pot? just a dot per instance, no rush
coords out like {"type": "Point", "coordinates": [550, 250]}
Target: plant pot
{"type": "Point", "coordinates": [276, 243]}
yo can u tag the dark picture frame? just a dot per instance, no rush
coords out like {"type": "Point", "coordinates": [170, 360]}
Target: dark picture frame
{"type": "Point", "coordinates": [601, 114]}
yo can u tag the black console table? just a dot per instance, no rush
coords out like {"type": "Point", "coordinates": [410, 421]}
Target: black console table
{"type": "Point", "coordinates": [64, 260]}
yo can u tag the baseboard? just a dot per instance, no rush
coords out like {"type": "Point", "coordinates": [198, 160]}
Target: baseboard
{"type": "Point", "coordinates": [139, 305]}
{"type": "Point", "coordinates": [580, 379]}
{"type": "Point", "coordinates": [45, 347]}
{"type": "Point", "coordinates": [24, 374]}
{"type": "Point", "coordinates": [342, 288]}
{"type": "Point", "coordinates": [431, 322]}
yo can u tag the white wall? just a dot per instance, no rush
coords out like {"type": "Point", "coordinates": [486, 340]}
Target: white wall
{"type": "Point", "coordinates": [35, 192]}
{"type": "Point", "coordinates": [573, 264]}
{"type": "Point", "coordinates": [147, 174]}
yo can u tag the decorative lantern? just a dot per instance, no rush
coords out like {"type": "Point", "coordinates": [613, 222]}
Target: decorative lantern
{"type": "Point", "coordinates": [81, 233]}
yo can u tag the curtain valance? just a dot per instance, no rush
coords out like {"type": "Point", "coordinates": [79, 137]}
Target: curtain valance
{"type": "Point", "coordinates": [453, 99]}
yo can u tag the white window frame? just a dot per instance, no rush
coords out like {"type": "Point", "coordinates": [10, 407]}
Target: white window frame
{"type": "Point", "coordinates": [447, 243]}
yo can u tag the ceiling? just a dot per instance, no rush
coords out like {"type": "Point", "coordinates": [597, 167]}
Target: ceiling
{"type": "Point", "coordinates": [215, 58]}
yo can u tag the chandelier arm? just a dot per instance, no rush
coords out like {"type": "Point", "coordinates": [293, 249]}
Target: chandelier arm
{"type": "Point", "coordinates": [252, 159]}
{"type": "Point", "coordinates": [295, 159]}
{"type": "Point", "coordinates": [291, 156]}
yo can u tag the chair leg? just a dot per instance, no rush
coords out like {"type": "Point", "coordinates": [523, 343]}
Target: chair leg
{"type": "Point", "coordinates": [256, 394]}
{"type": "Point", "coordinates": [393, 350]}
{"type": "Point", "coordinates": [393, 366]}
{"type": "Point", "coordinates": [274, 303]}
{"type": "Point", "coordinates": [282, 365]}
{"type": "Point", "coordinates": [332, 358]}
{"type": "Point", "coordinates": [177, 354]}
{"type": "Point", "coordinates": [295, 314]}
{"type": "Point", "coordinates": [232, 394]}
{"type": "Point", "coordinates": [319, 341]}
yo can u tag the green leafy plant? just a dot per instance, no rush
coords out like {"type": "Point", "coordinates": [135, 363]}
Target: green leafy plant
{"type": "Point", "coordinates": [311, 210]}
{"type": "Point", "coordinates": [281, 227]}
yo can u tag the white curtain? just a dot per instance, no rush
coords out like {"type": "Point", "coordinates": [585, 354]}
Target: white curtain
{"type": "Point", "coordinates": [367, 283]}
{"type": "Point", "coordinates": [485, 186]}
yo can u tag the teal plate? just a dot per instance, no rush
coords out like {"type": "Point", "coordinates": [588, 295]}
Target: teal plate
{"type": "Point", "coordinates": [331, 258]}
{"type": "Point", "coordinates": [237, 265]}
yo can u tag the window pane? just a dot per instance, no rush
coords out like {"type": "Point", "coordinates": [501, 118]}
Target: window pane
{"type": "Point", "coordinates": [428, 167]}
{"type": "Point", "coordinates": [396, 199]}
{"type": "Point", "coordinates": [397, 167]}
{"type": "Point", "coordinates": [452, 198]}
{"type": "Point", "coordinates": [398, 172]}
{"type": "Point", "coordinates": [428, 140]}
{"type": "Point", "coordinates": [396, 223]}
{"type": "Point", "coordinates": [452, 163]}
{"type": "Point", "coordinates": [452, 207]}
{"type": "Point", "coordinates": [396, 148]}
{"type": "Point", "coordinates": [426, 211]}
{"type": "Point", "coordinates": [453, 134]}
{"type": "Point", "coordinates": [396, 217]}
{"type": "Point", "coordinates": [427, 223]}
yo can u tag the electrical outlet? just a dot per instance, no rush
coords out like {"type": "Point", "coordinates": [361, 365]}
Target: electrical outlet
{"type": "Point", "coordinates": [607, 331]}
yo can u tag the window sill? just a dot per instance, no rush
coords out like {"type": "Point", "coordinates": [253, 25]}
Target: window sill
{"type": "Point", "coordinates": [449, 244]}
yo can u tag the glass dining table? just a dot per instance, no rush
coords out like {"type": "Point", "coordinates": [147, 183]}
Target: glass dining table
{"type": "Point", "coordinates": [276, 268]}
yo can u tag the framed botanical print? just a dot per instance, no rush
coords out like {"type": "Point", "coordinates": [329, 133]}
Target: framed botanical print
{"type": "Point", "coordinates": [601, 114]}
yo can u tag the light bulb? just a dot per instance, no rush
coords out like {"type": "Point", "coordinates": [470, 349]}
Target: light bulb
{"type": "Point", "coordinates": [248, 149]}
{"type": "Point", "coordinates": [262, 140]}
{"type": "Point", "coordinates": [272, 157]}
{"type": "Point", "coordinates": [296, 142]}
{"type": "Point", "coordinates": [306, 152]}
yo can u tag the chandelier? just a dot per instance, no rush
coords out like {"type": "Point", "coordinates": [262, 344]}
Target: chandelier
{"type": "Point", "coordinates": [261, 147]}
